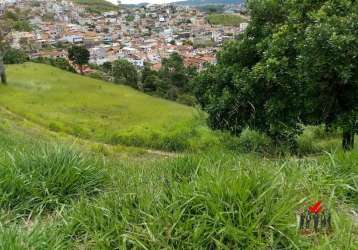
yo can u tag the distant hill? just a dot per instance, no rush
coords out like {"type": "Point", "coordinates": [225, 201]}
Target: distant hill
{"type": "Point", "coordinates": [96, 6]}
{"type": "Point", "coordinates": [207, 2]}
{"type": "Point", "coordinates": [194, 2]}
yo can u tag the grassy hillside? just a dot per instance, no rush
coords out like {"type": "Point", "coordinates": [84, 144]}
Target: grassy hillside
{"type": "Point", "coordinates": [226, 19]}
{"type": "Point", "coordinates": [57, 192]}
{"type": "Point", "coordinates": [92, 109]}
{"type": "Point", "coordinates": [97, 6]}
{"type": "Point", "coordinates": [55, 197]}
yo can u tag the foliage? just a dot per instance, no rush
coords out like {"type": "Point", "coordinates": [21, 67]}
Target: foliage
{"type": "Point", "coordinates": [97, 6]}
{"type": "Point", "coordinates": [22, 25]}
{"type": "Point", "coordinates": [79, 55]}
{"type": "Point", "coordinates": [130, 18]}
{"type": "Point", "coordinates": [106, 67]}
{"type": "Point", "coordinates": [60, 63]}
{"type": "Point", "coordinates": [287, 69]}
{"type": "Point", "coordinates": [15, 56]}
{"type": "Point", "coordinates": [149, 79]}
{"type": "Point", "coordinates": [125, 72]}
{"type": "Point", "coordinates": [17, 20]}
{"type": "Point", "coordinates": [174, 77]}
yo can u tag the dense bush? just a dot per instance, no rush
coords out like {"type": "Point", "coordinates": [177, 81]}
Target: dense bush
{"type": "Point", "coordinates": [60, 63]}
{"type": "Point", "coordinates": [15, 56]}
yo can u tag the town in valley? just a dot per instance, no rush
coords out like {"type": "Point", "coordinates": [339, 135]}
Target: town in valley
{"type": "Point", "coordinates": [140, 34]}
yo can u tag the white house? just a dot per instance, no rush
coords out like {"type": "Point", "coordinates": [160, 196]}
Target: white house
{"type": "Point", "coordinates": [73, 38]}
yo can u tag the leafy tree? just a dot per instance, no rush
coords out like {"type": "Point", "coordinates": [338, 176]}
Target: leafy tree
{"type": "Point", "coordinates": [79, 55]}
{"type": "Point", "coordinates": [125, 72]}
{"type": "Point", "coordinates": [107, 67]}
{"type": "Point", "coordinates": [173, 75]}
{"type": "Point", "coordinates": [295, 64]}
{"type": "Point", "coordinates": [149, 79]}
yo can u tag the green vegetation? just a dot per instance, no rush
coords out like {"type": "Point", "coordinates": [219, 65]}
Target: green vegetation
{"type": "Point", "coordinates": [97, 6]}
{"type": "Point", "coordinates": [292, 66]}
{"type": "Point", "coordinates": [125, 72]}
{"type": "Point", "coordinates": [96, 110]}
{"type": "Point", "coordinates": [45, 178]}
{"type": "Point", "coordinates": [60, 63]}
{"type": "Point", "coordinates": [205, 201]}
{"type": "Point", "coordinates": [226, 19]}
{"type": "Point", "coordinates": [17, 20]}
{"type": "Point", "coordinates": [171, 82]}
{"type": "Point", "coordinates": [79, 55]}
{"type": "Point", "coordinates": [78, 169]}
{"type": "Point", "coordinates": [15, 56]}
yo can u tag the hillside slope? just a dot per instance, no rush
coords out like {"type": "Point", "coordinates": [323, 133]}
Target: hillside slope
{"type": "Point", "coordinates": [207, 2]}
{"type": "Point", "coordinates": [89, 108]}
{"type": "Point", "coordinates": [97, 6]}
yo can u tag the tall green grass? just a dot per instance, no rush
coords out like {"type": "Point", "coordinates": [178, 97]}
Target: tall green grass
{"type": "Point", "coordinates": [44, 179]}
{"type": "Point", "coordinates": [55, 197]}
{"type": "Point", "coordinates": [219, 202]}
{"type": "Point", "coordinates": [37, 237]}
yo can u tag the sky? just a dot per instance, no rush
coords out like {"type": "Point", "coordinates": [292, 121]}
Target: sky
{"type": "Point", "coordinates": [141, 1]}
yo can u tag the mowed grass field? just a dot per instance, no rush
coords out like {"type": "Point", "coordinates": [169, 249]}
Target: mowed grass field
{"type": "Point", "coordinates": [91, 109]}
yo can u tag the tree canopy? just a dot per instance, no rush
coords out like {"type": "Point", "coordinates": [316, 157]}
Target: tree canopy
{"type": "Point", "coordinates": [295, 64]}
{"type": "Point", "coordinates": [125, 72]}
{"type": "Point", "coordinates": [79, 55]}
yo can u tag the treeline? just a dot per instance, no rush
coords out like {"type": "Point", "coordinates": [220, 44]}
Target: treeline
{"type": "Point", "coordinates": [172, 81]}
{"type": "Point", "coordinates": [18, 56]}
{"type": "Point", "coordinates": [295, 65]}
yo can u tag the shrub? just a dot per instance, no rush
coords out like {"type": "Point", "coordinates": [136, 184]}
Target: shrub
{"type": "Point", "coordinates": [187, 99]}
{"type": "Point", "coordinates": [60, 63]}
{"type": "Point", "coordinates": [311, 140]}
{"type": "Point", "coordinates": [253, 141]}
{"type": "Point", "coordinates": [97, 75]}
{"type": "Point", "coordinates": [15, 56]}
{"type": "Point", "coordinates": [305, 143]}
